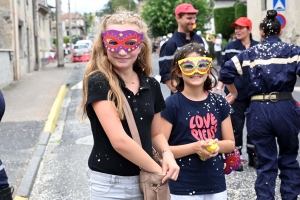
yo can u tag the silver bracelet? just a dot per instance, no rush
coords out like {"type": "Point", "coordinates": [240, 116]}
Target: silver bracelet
{"type": "Point", "coordinates": [166, 150]}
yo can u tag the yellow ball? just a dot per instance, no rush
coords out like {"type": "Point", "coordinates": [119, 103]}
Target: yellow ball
{"type": "Point", "coordinates": [212, 147]}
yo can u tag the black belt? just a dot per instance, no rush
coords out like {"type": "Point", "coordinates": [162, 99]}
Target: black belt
{"type": "Point", "coordinates": [273, 96]}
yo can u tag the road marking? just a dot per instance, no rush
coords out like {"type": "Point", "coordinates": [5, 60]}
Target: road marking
{"type": "Point", "coordinates": [87, 140]}
{"type": "Point", "coordinates": [297, 89]}
{"type": "Point", "coordinates": [20, 198]}
{"type": "Point", "coordinates": [158, 78]}
{"type": "Point", "coordinates": [55, 109]}
{"type": "Point", "coordinates": [77, 86]}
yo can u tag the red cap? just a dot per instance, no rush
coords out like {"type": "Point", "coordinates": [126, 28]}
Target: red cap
{"type": "Point", "coordinates": [185, 8]}
{"type": "Point", "coordinates": [242, 21]}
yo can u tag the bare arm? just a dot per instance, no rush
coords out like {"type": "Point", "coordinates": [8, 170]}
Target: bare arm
{"type": "Point", "coordinates": [169, 167]}
{"type": "Point", "coordinates": [219, 87]}
{"type": "Point", "coordinates": [121, 142]}
{"type": "Point", "coordinates": [227, 144]}
{"type": "Point", "coordinates": [233, 93]}
{"type": "Point", "coordinates": [168, 83]}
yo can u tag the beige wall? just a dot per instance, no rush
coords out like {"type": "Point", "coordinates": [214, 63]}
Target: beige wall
{"type": "Point", "coordinates": [26, 38]}
{"type": "Point", "coordinates": [6, 43]}
{"type": "Point", "coordinates": [292, 29]}
{"type": "Point", "coordinates": [44, 34]}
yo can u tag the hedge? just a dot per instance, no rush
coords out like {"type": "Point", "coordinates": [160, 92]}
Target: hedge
{"type": "Point", "coordinates": [223, 18]}
{"type": "Point", "coordinates": [240, 10]}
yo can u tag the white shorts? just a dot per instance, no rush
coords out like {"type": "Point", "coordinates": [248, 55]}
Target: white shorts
{"type": "Point", "coordinates": [106, 187]}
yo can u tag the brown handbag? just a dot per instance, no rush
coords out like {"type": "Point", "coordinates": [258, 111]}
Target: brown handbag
{"type": "Point", "coordinates": [150, 183]}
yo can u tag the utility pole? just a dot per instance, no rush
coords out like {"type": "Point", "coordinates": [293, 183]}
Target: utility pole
{"type": "Point", "coordinates": [76, 20]}
{"type": "Point", "coordinates": [70, 29]}
{"type": "Point", "coordinates": [36, 35]}
{"type": "Point", "coordinates": [59, 37]}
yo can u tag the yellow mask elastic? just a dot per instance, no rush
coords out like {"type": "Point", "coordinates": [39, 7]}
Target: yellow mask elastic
{"type": "Point", "coordinates": [191, 65]}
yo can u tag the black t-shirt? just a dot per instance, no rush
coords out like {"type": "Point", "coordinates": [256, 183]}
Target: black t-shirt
{"type": "Point", "coordinates": [144, 104]}
{"type": "Point", "coordinates": [2, 105]}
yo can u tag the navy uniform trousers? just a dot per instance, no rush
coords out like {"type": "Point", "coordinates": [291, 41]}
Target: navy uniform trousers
{"type": "Point", "coordinates": [267, 121]}
{"type": "Point", "coordinates": [3, 177]}
{"type": "Point", "coordinates": [238, 120]}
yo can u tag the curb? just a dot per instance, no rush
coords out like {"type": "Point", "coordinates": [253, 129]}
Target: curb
{"type": "Point", "coordinates": [27, 182]}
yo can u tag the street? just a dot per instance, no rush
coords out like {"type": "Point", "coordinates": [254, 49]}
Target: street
{"type": "Point", "coordinates": [63, 172]}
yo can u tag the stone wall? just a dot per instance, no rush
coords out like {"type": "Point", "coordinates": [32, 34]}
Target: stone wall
{"type": "Point", "coordinates": [6, 24]}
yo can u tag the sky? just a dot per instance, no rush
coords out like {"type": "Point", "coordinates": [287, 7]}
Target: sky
{"type": "Point", "coordinates": [80, 5]}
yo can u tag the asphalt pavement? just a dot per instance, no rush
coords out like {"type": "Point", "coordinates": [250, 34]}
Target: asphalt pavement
{"type": "Point", "coordinates": [28, 103]}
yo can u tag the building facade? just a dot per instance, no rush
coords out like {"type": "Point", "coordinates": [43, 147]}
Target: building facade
{"type": "Point", "coordinates": [24, 35]}
{"type": "Point", "coordinates": [44, 28]}
{"type": "Point", "coordinates": [77, 24]}
{"type": "Point", "coordinates": [6, 43]}
{"type": "Point", "coordinates": [257, 10]}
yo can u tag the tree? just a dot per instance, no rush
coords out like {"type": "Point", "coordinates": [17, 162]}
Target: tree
{"type": "Point", "coordinates": [89, 21]}
{"type": "Point", "coordinates": [159, 14]}
{"type": "Point", "coordinates": [112, 5]}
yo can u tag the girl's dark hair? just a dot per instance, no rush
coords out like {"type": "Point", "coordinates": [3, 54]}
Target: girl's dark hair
{"type": "Point", "coordinates": [270, 25]}
{"type": "Point", "coordinates": [211, 80]}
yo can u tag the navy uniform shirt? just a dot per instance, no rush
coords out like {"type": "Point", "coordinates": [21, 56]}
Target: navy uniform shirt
{"type": "Point", "coordinates": [144, 104]}
{"type": "Point", "coordinates": [233, 48]}
{"type": "Point", "coordinates": [2, 105]}
{"type": "Point", "coordinates": [168, 50]}
{"type": "Point", "coordinates": [270, 66]}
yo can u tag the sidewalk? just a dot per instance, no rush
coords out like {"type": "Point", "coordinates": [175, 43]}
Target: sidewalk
{"type": "Point", "coordinates": [28, 103]}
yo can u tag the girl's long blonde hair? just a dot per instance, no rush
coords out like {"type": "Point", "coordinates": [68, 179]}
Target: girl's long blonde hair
{"type": "Point", "coordinates": [99, 60]}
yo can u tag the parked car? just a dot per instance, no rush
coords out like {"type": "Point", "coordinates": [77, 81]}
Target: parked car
{"type": "Point", "coordinates": [81, 53]}
{"type": "Point", "coordinates": [89, 43]}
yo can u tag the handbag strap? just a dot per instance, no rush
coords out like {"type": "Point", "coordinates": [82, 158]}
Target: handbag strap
{"type": "Point", "coordinates": [130, 121]}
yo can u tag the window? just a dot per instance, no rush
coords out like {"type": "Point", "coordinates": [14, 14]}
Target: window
{"type": "Point", "coordinates": [263, 5]}
{"type": "Point", "coordinates": [21, 41]}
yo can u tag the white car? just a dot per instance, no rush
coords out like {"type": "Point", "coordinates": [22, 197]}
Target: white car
{"type": "Point", "coordinates": [89, 43]}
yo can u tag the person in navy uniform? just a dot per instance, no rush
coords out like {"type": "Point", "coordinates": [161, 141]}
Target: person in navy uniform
{"type": "Point", "coordinates": [5, 190]}
{"type": "Point", "coordinates": [269, 72]}
{"type": "Point", "coordinates": [186, 18]}
{"type": "Point", "coordinates": [243, 28]}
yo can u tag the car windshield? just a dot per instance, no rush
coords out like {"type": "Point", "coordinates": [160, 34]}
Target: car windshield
{"type": "Point", "coordinates": [80, 47]}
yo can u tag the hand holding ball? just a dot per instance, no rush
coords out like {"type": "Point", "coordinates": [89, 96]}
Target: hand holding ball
{"type": "Point", "coordinates": [213, 146]}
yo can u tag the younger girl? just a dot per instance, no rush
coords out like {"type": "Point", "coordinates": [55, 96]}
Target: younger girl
{"type": "Point", "coordinates": [195, 116]}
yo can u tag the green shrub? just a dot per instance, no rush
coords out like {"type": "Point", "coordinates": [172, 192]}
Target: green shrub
{"type": "Point", "coordinates": [223, 18]}
{"type": "Point", "coordinates": [54, 41]}
{"type": "Point", "coordinates": [240, 10]}
{"type": "Point", "coordinates": [66, 40]}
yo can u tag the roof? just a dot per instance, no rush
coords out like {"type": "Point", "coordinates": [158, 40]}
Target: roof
{"type": "Point", "coordinates": [73, 16]}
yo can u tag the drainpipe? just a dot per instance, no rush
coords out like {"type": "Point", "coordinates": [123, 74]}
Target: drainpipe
{"type": "Point", "coordinates": [16, 41]}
